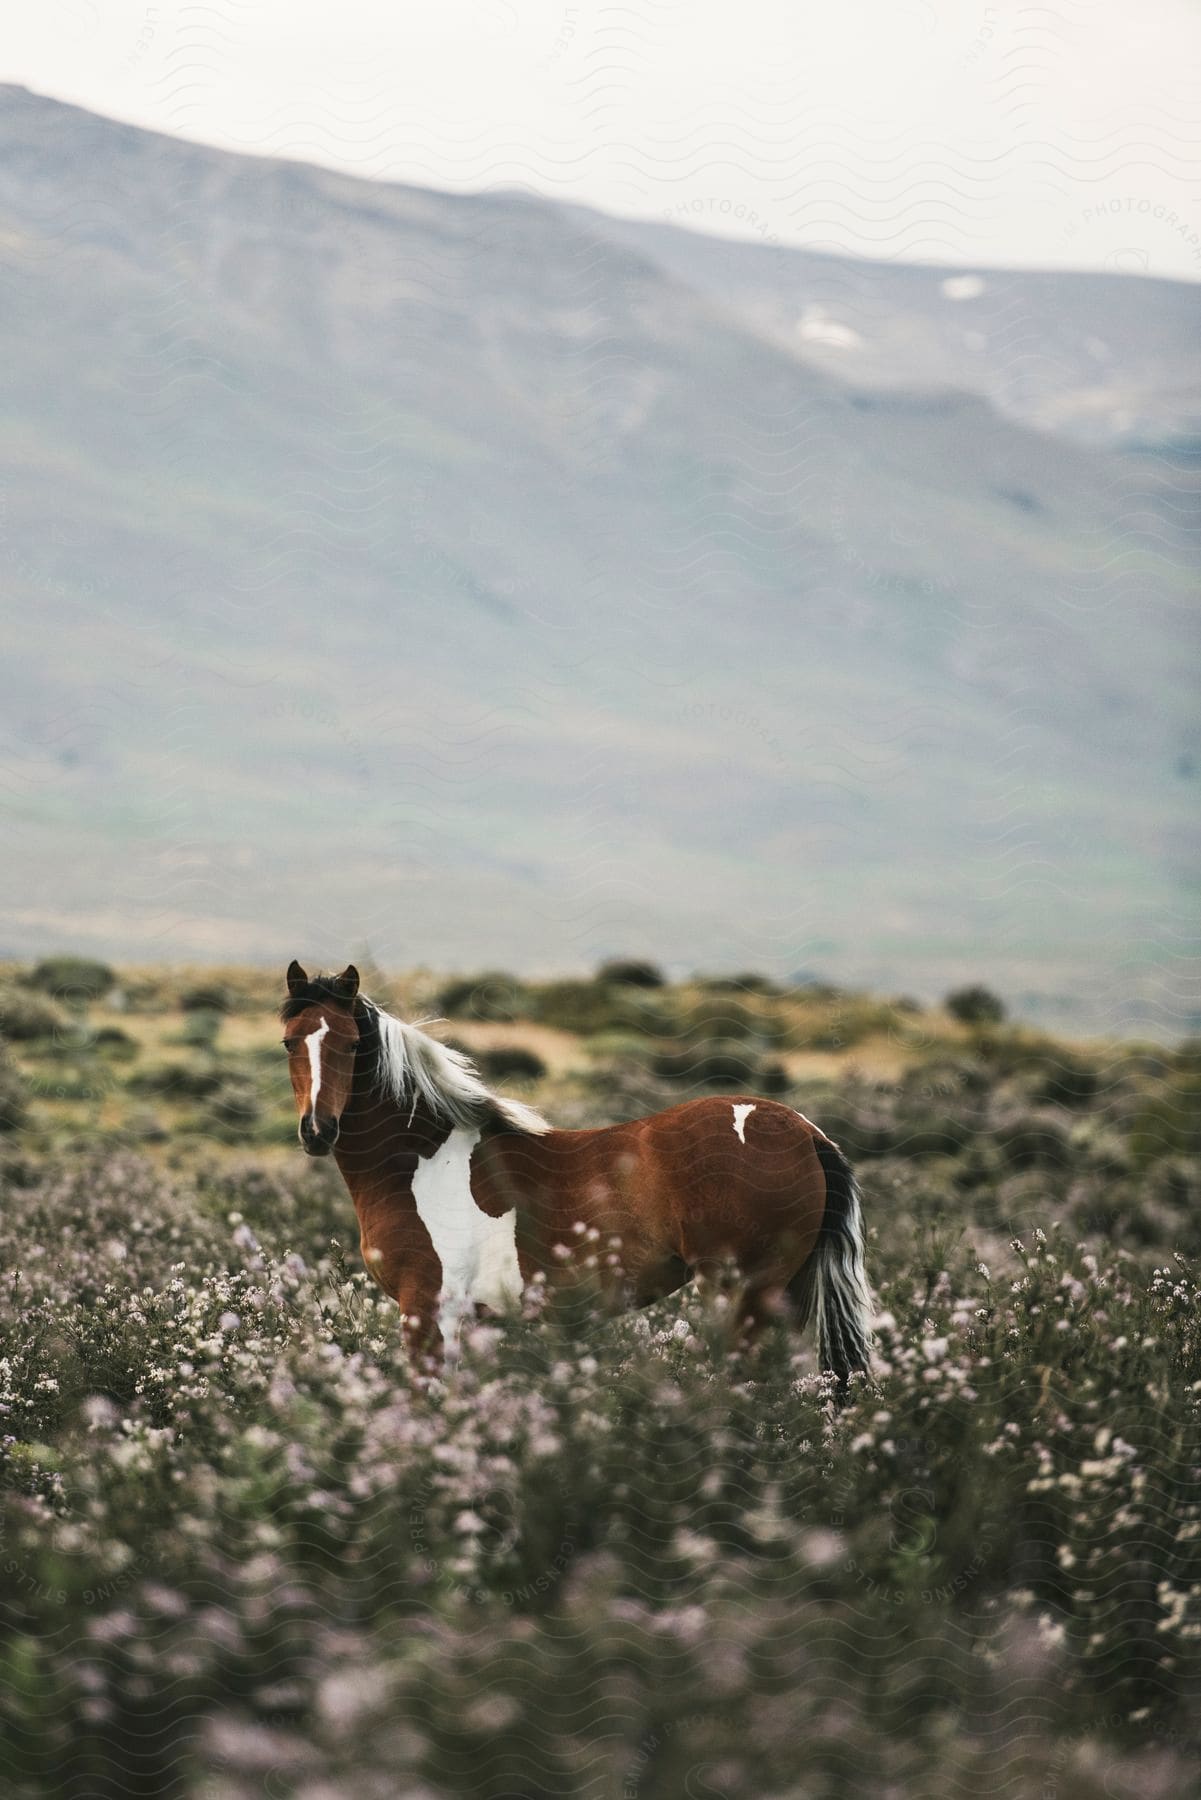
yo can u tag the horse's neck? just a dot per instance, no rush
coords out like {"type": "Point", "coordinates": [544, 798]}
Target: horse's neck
{"type": "Point", "coordinates": [382, 1140]}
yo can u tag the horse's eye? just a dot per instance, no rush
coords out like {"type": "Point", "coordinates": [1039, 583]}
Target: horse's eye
{"type": "Point", "coordinates": [290, 1044]}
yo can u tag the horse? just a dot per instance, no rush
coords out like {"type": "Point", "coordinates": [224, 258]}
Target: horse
{"type": "Point", "coordinates": [464, 1195]}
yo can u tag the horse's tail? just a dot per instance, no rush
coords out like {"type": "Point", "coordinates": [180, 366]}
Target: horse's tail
{"type": "Point", "coordinates": [833, 1282]}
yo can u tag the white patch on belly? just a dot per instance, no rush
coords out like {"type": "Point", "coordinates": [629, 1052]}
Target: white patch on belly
{"type": "Point", "coordinates": [314, 1047]}
{"type": "Point", "coordinates": [478, 1254]}
{"type": "Point", "coordinates": [741, 1115]}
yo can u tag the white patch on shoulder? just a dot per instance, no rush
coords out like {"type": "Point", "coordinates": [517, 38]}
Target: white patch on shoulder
{"type": "Point", "coordinates": [741, 1115]}
{"type": "Point", "coordinates": [478, 1253]}
{"type": "Point", "coordinates": [809, 1123]}
{"type": "Point", "coordinates": [313, 1041]}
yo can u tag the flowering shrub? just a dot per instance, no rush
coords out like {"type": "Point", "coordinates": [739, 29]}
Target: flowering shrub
{"type": "Point", "coordinates": [248, 1550]}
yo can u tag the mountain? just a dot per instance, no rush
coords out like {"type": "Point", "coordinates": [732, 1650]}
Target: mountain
{"type": "Point", "coordinates": [479, 580]}
{"type": "Point", "coordinates": [1098, 359]}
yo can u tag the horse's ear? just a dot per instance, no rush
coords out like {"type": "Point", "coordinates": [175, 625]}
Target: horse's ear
{"type": "Point", "coordinates": [297, 978]}
{"type": "Point", "coordinates": [347, 983]}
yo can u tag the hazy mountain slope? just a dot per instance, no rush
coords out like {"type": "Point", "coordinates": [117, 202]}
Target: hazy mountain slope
{"type": "Point", "coordinates": [441, 573]}
{"type": "Point", "coordinates": [1105, 359]}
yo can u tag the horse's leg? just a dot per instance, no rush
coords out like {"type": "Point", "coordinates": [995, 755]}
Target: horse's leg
{"type": "Point", "coordinates": [763, 1301]}
{"type": "Point", "coordinates": [655, 1280]}
{"type": "Point", "coordinates": [417, 1296]}
{"type": "Point", "coordinates": [753, 1301]}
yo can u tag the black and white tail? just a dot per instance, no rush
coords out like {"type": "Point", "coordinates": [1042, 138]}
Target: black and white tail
{"type": "Point", "coordinates": [833, 1283]}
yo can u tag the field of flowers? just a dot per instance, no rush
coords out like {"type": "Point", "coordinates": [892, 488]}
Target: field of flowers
{"type": "Point", "coordinates": [247, 1551]}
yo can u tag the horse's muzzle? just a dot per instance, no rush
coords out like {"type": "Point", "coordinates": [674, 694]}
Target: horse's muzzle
{"type": "Point", "coordinates": [318, 1136]}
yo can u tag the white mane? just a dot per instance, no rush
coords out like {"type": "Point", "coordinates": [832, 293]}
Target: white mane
{"type": "Point", "coordinates": [414, 1066]}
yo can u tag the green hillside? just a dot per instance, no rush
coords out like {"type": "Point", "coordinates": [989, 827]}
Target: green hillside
{"type": "Point", "coordinates": [444, 575]}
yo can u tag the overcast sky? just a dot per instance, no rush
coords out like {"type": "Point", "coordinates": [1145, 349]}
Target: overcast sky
{"type": "Point", "coordinates": [1060, 135]}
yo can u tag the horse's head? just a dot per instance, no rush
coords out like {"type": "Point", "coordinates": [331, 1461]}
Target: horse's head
{"type": "Point", "coordinates": [321, 1035]}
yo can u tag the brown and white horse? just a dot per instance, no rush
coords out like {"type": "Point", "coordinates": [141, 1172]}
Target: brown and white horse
{"type": "Point", "coordinates": [463, 1195]}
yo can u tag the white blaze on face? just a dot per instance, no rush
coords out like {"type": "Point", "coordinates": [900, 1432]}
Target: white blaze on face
{"type": "Point", "coordinates": [313, 1045]}
{"type": "Point", "coordinates": [741, 1115]}
{"type": "Point", "coordinates": [478, 1253]}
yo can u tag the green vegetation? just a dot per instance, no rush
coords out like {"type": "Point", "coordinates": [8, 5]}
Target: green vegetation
{"type": "Point", "coordinates": [73, 978]}
{"type": "Point", "coordinates": [629, 972]}
{"type": "Point", "coordinates": [27, 1016]}
{"type": "Point", "coordinates": [975, 1006]}
{"type": "Point", "coordinates": [248, 1550]}
{"type": "Point", "coordinates": [511, 1062]}
{"type": "Point", "coordinates": [207, 997]}
{"type": "Point", "coordinates": [493, 995]}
